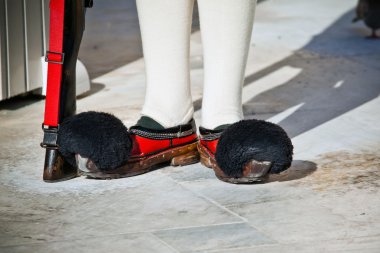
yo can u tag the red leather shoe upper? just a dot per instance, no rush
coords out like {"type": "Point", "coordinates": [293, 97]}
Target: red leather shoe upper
{"type": "Point", "coordinates": [210, 146]}
{"type": "Point", "coordinates": [145, 146]}
{"type": "Point", "coordinates": [148, 141]}
{"type": "Point", "coordinates": [209, 139]}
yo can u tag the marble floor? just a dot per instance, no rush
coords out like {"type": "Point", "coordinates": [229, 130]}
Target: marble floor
{"type": "Point", "coordinates": [309, 69]}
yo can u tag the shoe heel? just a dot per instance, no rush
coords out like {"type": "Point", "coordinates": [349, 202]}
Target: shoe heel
{"type": "Point", "coordinates": [205, 161]}
{"type": "Point", "coordinates": [204, 158]}
{"type": "Point", "coordinates": [185, 159]}
{"type": "Point", "coordinates": [56, 169]}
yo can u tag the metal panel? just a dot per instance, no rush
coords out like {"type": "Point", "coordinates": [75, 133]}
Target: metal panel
{"type": "Point", "coordinates": [16, 47]}
{"type": "Point", "coordinates": [34, 46]}
{"type": "Point", "coordinates": [3, 53]}
{"type": "Point", "coordinates": [46, 16]}
{"type": "Point", "coordinates": [1, 69]}
{"type": "Point", "coordinates": [24, 33]}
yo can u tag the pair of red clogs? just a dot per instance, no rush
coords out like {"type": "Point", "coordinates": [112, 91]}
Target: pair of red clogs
{"type": "Point", "coordinates": [101, 147]}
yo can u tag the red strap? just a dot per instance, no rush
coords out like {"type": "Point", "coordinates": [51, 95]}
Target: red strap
{"type": "Point", "coordinates": [55, 60]}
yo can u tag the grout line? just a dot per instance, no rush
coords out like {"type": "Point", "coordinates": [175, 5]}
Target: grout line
{"type": "Point", "coordinates": [165, 243]}
{"type": "Point", "coordinates": [89, 237]}
{"type": "Point", "coordinates": [199, 226]}
{"type": "Point", "coordinates": [212, 201]}
{"type": "Point", "coordinates": [229, 211]}
{"type": "Point", "coordinates": [275, 241]}
{"type": "Point", "coordinates": [264, 245]}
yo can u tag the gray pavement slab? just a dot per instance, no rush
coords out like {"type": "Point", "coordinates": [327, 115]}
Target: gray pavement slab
{"type": "Point", "coordinates": [138, 243]}
{"type": "Point", "coordinates": [211, 237]}
{"type": "Point", "coordinates": [366, 244]}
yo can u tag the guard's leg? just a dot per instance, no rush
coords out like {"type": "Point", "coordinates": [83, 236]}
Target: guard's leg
{"type": "Point", "coordinates": [55, 167]}
{"type": "Point", "coordinates": [165, 31]}
{"type": "Point", "coordinates": [226, 27]}
{"type": "Point", "coordinates": [246, 151]}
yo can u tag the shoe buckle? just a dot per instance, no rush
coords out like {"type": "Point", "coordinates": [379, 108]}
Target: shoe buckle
{"type": "Point", "coordinates": [54, 57]}
{"type": "Point", "coordinates": [50, 137]}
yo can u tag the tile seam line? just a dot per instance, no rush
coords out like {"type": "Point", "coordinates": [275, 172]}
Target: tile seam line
{"type": "Point", "coordinates": [151, 232]}
{"type": "Point", "coordinates": [303, 243]}
{"type": "Point", "coordinates": [246, 221]}
{"type": "Point", "coordinates": [264, 245]}
{"type": "Point", "coordinates": [200, 226]}
{"type": "Point", "coordinates": [211, 201]}
{"type": "Point", "coordinates": [165, 243]}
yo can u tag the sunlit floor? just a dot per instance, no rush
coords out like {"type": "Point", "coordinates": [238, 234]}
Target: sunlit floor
{"type": "Point", "coordinates": [310, 70]}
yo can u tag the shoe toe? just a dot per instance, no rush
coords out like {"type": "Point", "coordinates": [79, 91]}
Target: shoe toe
{"type": "Point", "coordinates": [100, 137]}
{"type": "Point", "coordinates": [251, 148]}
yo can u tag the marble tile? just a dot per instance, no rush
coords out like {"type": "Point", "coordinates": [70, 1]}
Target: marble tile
{"type": "Point", "coordinates": [136, 243]}
{"type": "Point", "coordinates": [213, 237]}
{"type": "Point", "coordinates": [290, 221]}
{"type": "Point", "coordinates": [329, 206]}
{"type": "Point", "coordinates": [352, 245]}
{"type": "Point", "coordinates": [156, 202]}
{"type": "Point", "coordinates": [194, 172]}
{"type": "Point", "coordinates": [235, 195]}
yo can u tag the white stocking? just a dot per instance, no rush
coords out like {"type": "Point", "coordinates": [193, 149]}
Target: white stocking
{"type": "Point", "coordinates": [165, 29]}
{"type": "Point", "coordinates": [226, 27]}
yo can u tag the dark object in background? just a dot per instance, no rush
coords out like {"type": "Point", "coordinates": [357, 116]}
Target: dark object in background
{"type": "Point", "coordinates": [369, 12]}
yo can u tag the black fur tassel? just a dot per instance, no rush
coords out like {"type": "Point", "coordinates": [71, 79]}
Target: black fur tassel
{"type": "Point", "coordinates": [253, 140]}
{"type": "Point", "coordinates": [99, 136]}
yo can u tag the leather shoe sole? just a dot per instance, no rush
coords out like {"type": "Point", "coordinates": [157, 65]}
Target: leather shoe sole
{"type": "Point", "coordinates": [177, 156]}
{"type": "Point", "coordinates": [256, 172]}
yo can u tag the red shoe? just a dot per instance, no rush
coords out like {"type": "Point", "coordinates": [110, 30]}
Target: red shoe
{"type": "Point", "coordinates": [208, 141]}
{"type": "Point", "coordinates": [207, 147]}
{"type": "Point", "coordinates": [245, 152]}
{"type": "Point", "coordinates": [176, 146]}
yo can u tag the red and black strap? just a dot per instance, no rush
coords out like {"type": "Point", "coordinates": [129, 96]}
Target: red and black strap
{"type": "Point", "coordinates": [55, 57]}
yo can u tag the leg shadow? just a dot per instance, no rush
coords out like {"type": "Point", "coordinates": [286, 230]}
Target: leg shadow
{"type": "Point", "coordinates": [95, 88]}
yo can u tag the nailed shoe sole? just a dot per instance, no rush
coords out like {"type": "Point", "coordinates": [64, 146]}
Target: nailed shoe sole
{"type": "Point", "coordinates": [258, 170]}
{"type": "Point", "coordinates": [178, 156]}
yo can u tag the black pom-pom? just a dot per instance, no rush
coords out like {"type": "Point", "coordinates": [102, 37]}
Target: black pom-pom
{"type": "Point", "coordinates": [99, 136]}
{"type": "Point", "coordinates": [253, 140]}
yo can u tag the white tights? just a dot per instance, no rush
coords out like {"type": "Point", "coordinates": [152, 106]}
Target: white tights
{"type": "Point", "coordinates": [226, 27]}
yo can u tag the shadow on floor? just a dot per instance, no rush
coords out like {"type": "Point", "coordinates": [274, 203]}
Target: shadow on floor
{"type": "Point", "coordinates": [330, 82]}
{"type": "Point", "coordinates": [298, 170]}
{"type": "Point", "coordinates": [112, 36]}
{"type": "Point", "coordinates": [20, 101]}
{"type": "Point", "coordinates": [95, 88]}
{"type": "Point", "coordinates": [111, 40]}
{"type": "Point", "coordinates": [30, 98]}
